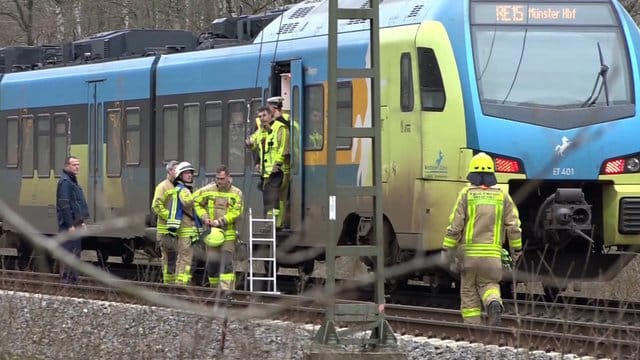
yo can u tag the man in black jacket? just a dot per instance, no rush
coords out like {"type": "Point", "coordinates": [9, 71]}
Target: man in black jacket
{"type": "Point", "coordinates": [72, 211]}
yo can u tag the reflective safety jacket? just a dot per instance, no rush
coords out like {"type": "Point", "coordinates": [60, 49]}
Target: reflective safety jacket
{"type": "Point", "coordinates": [273, 148]}
{"type": "Point", "coordinates": [481, 220]}
{"type": "Point", "coordinates": [160, 204]}
{"type": "Point", "coordinates": [213, 203]}
{"type": "Point", "coordinates": [182, 219]}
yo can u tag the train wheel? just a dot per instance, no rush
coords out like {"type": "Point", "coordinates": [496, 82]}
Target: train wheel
{"type": "Point", "coordinates": [308, 266]}
{"type": "Point", "coordinates": [128, 251]}
{"type": "Point", "coordinates": [551, 293]}
{"type": "Point", "coordinates": [391, 246]}
{"type": "Point", "coordinates": [128, 256]}
{"type": "Point", "coordinates": [507, 289]}
{"type": "Point", "coordinates": [103, 256]}
{"type": "Point", "coordinates": [304, 271]}
{"type": "Point", "coordinates": [25, 254]}
{"type": "Point", "coordinates": [240, 280]}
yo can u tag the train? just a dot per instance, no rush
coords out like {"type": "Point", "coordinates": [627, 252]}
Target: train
{"type": "Point", "coordinates": [546, 87]}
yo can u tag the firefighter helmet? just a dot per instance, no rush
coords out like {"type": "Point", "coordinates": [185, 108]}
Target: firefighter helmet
{"type": "Point", "coordinates": [214, 237]}
{"type": "Point", "coordinates": [182, 167]}
{"type": "Point", "coordinates": [481, 162]}
{"type": "Point", "coordinates": [275, 100]}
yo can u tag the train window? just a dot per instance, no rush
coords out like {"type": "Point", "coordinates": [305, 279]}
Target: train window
{"type": "Point", "coordinates": [132, 136]}
{"type": "Point", "coordinates": [236, 136]}
{"type": "Point", "coordinates": [345, 112]}
{"type": "Point", "coordinates": [114, 142]}
{"type": "Point", "coordinates": [406, 83]}
{"type": "Point", "coordinates": [254, 106]}
{"type": "Point", "coordinates": [43, 145]}
{"type": "Point", "coordinates": [212, 136]}
{"type": "Point", "coordinates": [191, 135]}
{"type": "Point", "coordinates": [170, 130]}
{"type": "Point", "coordinates": [313, 117]}
{"type": "Point", "coordinates": [26, 153]}
{"type": "Point", "coordinates": [60, 145]}
{"type": "Point", "coordinates": [432, 93]}
{"type": "Point", "coordinates": [12, 141]}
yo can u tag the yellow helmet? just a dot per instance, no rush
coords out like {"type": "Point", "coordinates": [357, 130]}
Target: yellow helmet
{"type": "Point", "coordinates": [215, 237]}
{"type": "Point", "coordinates": [481, 162]}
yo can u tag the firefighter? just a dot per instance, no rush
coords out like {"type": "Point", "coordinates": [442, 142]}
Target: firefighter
{"type": "Point", "coordinates": [482, 218]}
{"type": "Point", "coordinates": [219, 205]}
{"type": "Point", "coordinates": [183, 222]}
{"type": "Point", "coordinates": [159, 205]}
{"type": "Point", "coordinates": [272, 144]}
{"type": "Point", "coordinates": [275, 103]}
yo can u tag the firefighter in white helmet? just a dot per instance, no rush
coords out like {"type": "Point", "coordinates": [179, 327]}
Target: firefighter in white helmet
{"type": "Point", "coordinates": [183, 221]}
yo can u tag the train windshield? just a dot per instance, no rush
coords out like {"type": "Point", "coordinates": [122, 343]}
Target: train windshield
{"type": "Point", "coordinates": [530, 60]}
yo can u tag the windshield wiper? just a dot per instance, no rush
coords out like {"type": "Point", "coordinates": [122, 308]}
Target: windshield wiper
{"type": "Point", "coordinates": [602, 74]}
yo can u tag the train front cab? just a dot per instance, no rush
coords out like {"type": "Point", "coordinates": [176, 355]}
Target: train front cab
{"type": "Point", "coordinates": [442, 142]}
{"type": "Point", "coordinates": [423, 158]}
{"type": "Point", "coordinates": [579, 201]}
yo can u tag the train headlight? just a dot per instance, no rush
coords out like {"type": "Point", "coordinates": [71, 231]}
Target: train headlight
{"type": "Point", "coordinates": [632, 164]}
{"type": "Point", "coordinates": [621, 165]}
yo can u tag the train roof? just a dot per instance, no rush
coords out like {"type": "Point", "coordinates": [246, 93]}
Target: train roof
{"type": "Point", "coordinates": [128, 79]}
{"type": "Point", "coordinates": [309, 18]}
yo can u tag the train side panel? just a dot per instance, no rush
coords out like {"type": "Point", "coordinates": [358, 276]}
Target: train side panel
{"type": "Point", "coordinates": [99, 113]}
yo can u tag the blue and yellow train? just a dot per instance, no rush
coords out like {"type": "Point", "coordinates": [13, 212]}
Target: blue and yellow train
{"type": "Point", "coordinates": [548, 88]}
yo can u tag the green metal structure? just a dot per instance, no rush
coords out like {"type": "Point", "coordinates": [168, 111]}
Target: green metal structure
{"type": "Point", "coordinates": [361, 316]}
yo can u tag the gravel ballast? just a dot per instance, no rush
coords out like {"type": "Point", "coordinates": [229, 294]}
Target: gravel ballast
{"type": "Point", "coordinates": [53, 327]}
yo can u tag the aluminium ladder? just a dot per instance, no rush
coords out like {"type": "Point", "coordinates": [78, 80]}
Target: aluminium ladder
{"type": "Point", "coordinates": [262, 232]}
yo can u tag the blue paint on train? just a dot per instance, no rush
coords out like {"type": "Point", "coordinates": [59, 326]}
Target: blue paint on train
{"type": "Point", "coordinates": [577, 152]}
{"type": "Point", "coordinates": [123, 80]}
{"type": "Point", "coordinates": [238, 67]}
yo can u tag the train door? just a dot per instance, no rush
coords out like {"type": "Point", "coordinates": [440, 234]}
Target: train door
{"type": "Point", "coordinates": [95, 150]}
{"type": "Point", "coordinates": [296, 200]}
{"type": "Point", "coordinates": [287, 81]}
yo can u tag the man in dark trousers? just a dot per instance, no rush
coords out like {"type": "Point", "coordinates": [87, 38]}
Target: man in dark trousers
{"type": "Point", "coordinates": [72, 211]}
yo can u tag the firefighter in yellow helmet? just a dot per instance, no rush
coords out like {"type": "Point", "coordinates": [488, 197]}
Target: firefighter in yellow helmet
{"type": "Point", "coordinates": [482, 218]}
{"type": "Point", "coordinates": [219, 205]}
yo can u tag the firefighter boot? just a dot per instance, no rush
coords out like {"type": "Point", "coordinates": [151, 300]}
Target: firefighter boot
{"type": "Point", "coordinates": [494, 312]}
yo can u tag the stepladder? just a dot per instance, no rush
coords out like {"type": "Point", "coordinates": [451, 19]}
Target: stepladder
{"type": "Point", "coordinates": [262, 249]}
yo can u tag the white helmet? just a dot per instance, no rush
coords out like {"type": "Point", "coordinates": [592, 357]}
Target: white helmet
{"type": "Point", "coordinates": [182, 167]}
{"type": "Point", "coordinates": [275, 100]}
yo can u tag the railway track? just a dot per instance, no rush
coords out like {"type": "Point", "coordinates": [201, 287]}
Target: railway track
{"type": "Point", "coordinates": [533, 326]}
